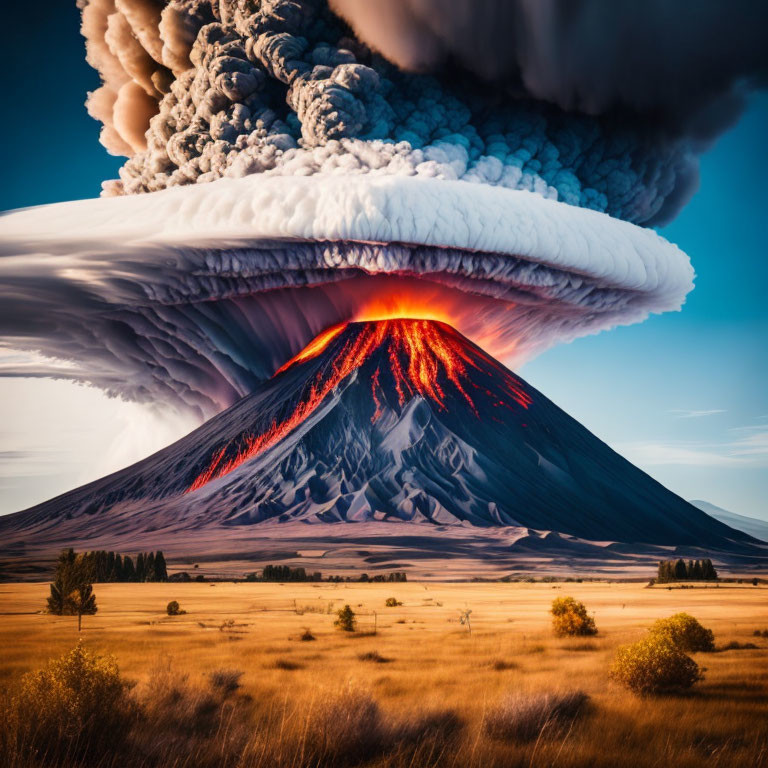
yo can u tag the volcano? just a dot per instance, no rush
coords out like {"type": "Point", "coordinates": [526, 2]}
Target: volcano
{"type": "Point", "coordinates": [382, 424]}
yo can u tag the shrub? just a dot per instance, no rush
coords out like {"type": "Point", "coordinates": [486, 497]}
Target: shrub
{"type": "Point", "coordinates": [373, 656]}
{"type": "Point", "coordinates": [500, 665]}
{"type": "Point", "coordinates": [522, 717]}
{"type": "Point", "coordinates": [225, 681]}
{"type": "Point", "coordinates": [287, 665]}
{"type": "Point", "coordinates": [735, 645]}
{"type": "Point", "coordinates": [392, 602]}
{"type": "Point", "coordinates": [307, 636]}
{"type": "Point", "coordinates": [569, 618]}
{"type": "Point", "coordinates": [346, 620]}
{"type": "Point", "coordinates": [174, 609]}
{"type": "Point", "coordinates": [654, 665]}
{"type": "Point", "coordinates": [685, 632]}
{"type": "Point", "coordinates": [76, 705]}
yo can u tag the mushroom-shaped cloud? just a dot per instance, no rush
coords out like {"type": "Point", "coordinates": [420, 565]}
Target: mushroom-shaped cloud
{"type": "Point", "coordinates": [345, 185]}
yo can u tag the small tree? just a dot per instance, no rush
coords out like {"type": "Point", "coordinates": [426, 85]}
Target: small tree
{"type": "Point", "coordinates": [140, 567]}
{"type": "Point", "coordinates": [346, 620]}
{"type": "Point", "coordinates": [681, 572]}
{"type": "Point", "coordinates": [72, 588]}
{"type": "Point", "coordinates": [161, 570]}
{"type": "Point", "coordinates": [149, 567]}
{"type": "Point", "coordinates": [84, 601]}
{"type": "Point", "coordinates": [708, 570]}
{"type": "Point", "coordinates": [63, 583]}
{"type": "Point", "coordinates": [129, 569]}
{"type": "Point", "coordinates": [392, 602]}
{"type": "Point", "coordinates": [570, 618]}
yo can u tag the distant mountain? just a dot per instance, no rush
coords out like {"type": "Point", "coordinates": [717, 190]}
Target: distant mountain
{"type": "Point", "coordinates": [754, 527]}
{"type": "Point", "coordinates": [392, 421]}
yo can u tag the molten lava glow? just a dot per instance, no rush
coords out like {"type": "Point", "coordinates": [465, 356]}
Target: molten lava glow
{"type": "Point", "coordinates": [315, 347]}
{"type": "Point", "coordinates": [420, 354]}
{"type": "Point", "coordinates": [423, 303]}
{"type": "Point", "coordinates": [480, 318]}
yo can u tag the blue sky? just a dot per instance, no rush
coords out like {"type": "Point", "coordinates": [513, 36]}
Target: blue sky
{"type": "Point", "coordinates": [683, 395]}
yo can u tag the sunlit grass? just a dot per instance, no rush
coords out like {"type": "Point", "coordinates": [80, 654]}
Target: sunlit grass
{"type": "Point", "coordinates": [433, 667]}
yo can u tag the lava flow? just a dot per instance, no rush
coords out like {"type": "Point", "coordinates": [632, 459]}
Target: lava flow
{"type": "Point", "coordinates": [423, 357]}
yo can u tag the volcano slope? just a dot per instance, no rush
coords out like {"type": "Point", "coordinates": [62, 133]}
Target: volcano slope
{"type": "Point", "coordinates": [438, 456]}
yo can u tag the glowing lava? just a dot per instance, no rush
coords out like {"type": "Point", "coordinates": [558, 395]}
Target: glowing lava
{"type": "Point", "coordinates": [314, 348]}
{"type": "Point", "coordinates": [425, 358]}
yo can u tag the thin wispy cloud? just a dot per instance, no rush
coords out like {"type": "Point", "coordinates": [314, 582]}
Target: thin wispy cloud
{"type": "Point", "coordinates": [745, 447]}
{"type": "Point", "coordinates": [685, 414]}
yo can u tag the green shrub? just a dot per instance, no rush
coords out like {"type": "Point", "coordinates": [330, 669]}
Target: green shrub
{"type": "Point", "coordinates": [346, 619]}
{"type": "Point", "coordinates": [174, 609]}
{"type": "Point", "coordinates": [392, 602]}
{"type": "Point", "coordinates": [76, 705]}
{"type": "Point", "coordinates": [654, 665]}
{"type": "Point", "coordinates": [685, 632]}
{"type": "Point", "coordinates": [569, 618]}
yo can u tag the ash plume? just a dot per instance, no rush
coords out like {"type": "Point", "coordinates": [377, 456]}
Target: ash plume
{"type": "Point", "coordinates": [501, 162]}
{"type": "Point", "coordinates": [560, 99]}
{"type": "Point", "coordinates": [193, 296]}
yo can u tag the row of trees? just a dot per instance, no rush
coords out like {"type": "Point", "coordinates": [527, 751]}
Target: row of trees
{"type": "Point", "coordinates": [679, 570]}
{"type": "Point", "coordinates": [285, 573]}
{"type": "Point", "coordinates": [379, 577]}
{"type": "Point", "coordinates": [112, 566]}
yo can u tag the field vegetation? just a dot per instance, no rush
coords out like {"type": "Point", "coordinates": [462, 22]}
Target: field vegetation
{"type": "Point", "coordinates": [234, 682]}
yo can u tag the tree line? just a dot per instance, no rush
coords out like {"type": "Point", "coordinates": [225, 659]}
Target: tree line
{"type": "Point", "coordinates": [679, 570]}
{"type": "Point", "coordinates": [112, 566]}
{"type": "Point", "coordinates": [284, 573]}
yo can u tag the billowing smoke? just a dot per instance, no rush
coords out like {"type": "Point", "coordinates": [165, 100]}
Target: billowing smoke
{"type": "Point", "coordinates": [193, 295]}
{"type": "Point", "coordinates": [488, 163]}
{"type": "Point", "coordinates": [283, 87]}
{"type": "Point", "coordinates": [687, 64]}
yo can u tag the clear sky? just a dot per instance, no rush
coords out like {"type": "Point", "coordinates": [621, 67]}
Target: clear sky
{"type": "Point", "coordinates": [683, 395]}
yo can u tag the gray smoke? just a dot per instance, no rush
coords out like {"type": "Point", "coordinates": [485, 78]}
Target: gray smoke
{"type": "Point", "coordinates": [281, 87]}
{"type": "Point", "coordinates": [686, 63]}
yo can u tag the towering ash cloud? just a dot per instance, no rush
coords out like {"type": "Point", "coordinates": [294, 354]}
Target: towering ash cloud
{"type": "Point", "coordinates": [270, 87]}
{"type": "Point", "coordinates": [489, 164]}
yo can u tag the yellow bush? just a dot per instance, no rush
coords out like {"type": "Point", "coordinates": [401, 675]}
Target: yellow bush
{"type": "Point", "coordinates": [570, 618]}
{"type": "Point", "coordinates": [685, 632]}
{"type": "Point", "coordinates": [654, 665]}
{"type": "Point", "coordinates": [77, 703]}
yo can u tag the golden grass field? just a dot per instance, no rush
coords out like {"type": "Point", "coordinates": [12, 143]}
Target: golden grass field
{"type": "Point", "coordinates": [430, 660]}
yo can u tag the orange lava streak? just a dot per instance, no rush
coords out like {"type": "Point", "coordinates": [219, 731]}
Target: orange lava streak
{"type": "Point", "coordinates": [376, 401]}
{"type": "Point", "coordinates": [315, 347]}
{"type": "Point", "coordinates": [430, 348]}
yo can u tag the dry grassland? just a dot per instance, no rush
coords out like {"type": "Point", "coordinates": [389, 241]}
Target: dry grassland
{"type": "Point", "coordinates": [422, 660]}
